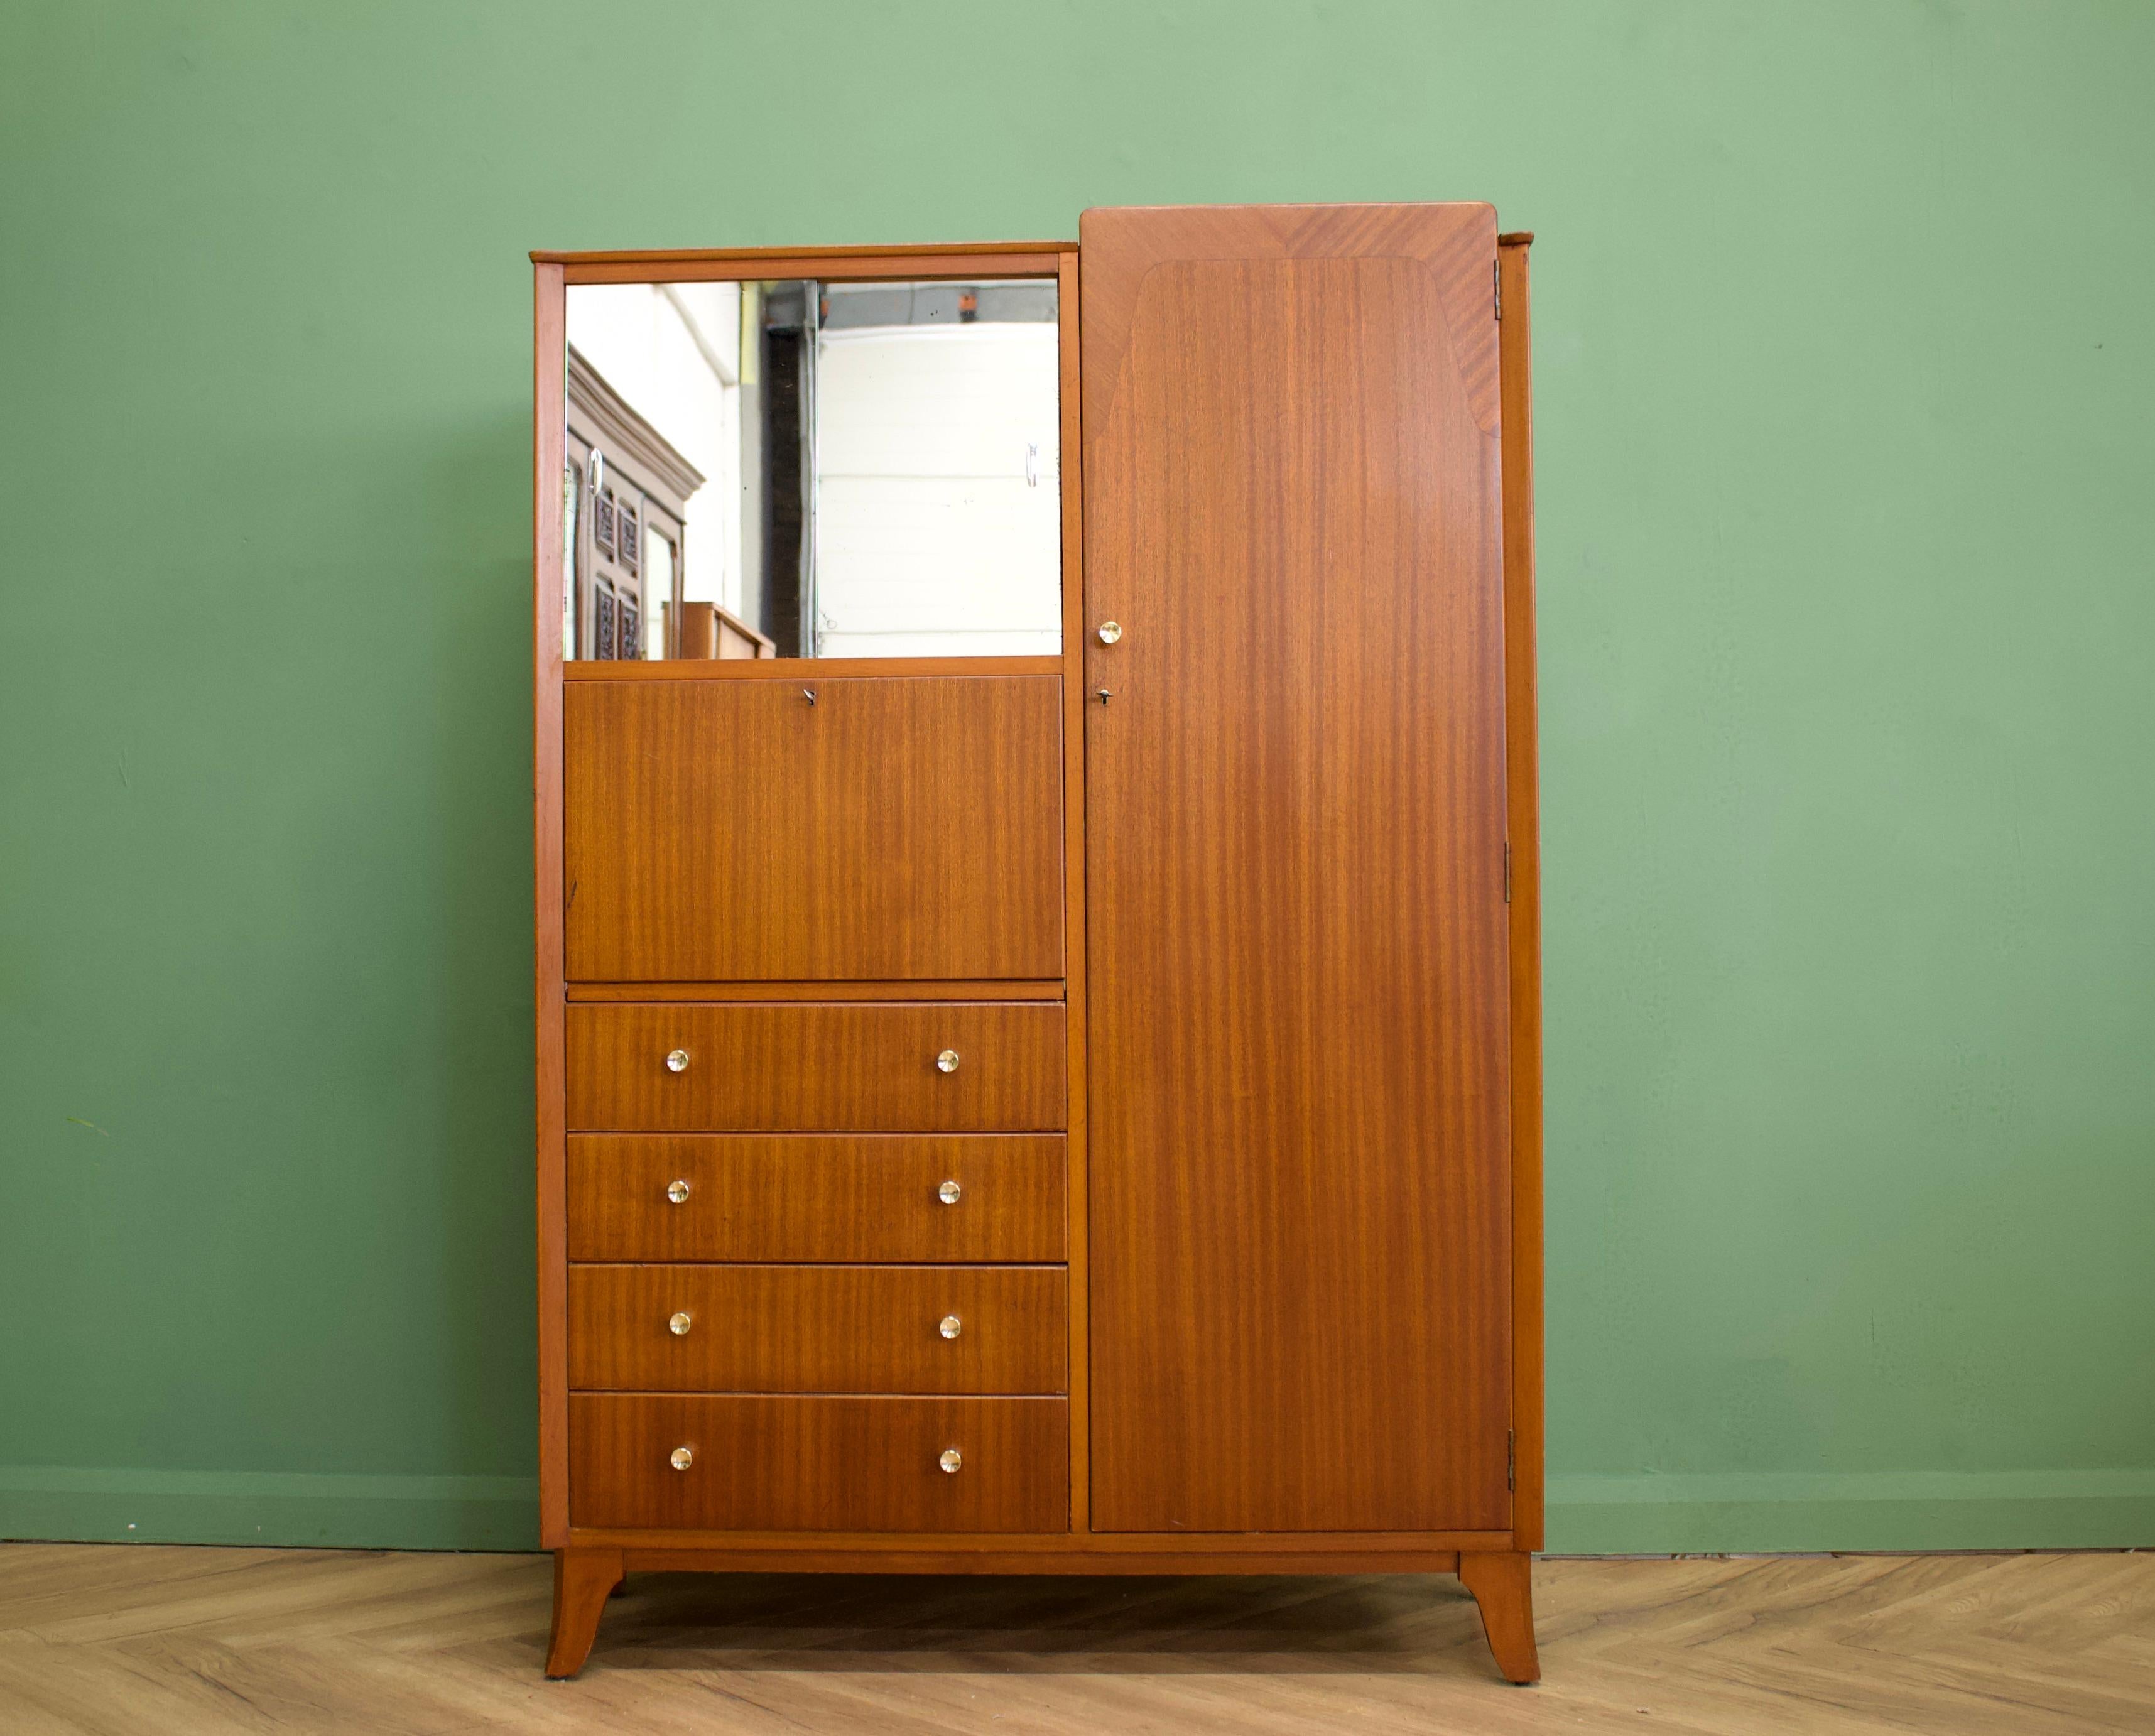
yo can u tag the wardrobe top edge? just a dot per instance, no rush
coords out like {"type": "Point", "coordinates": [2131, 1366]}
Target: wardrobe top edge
{"type": "Point", "coordinates": [751, 255]}
{"type": "Point", "coordinates": [893, 250]}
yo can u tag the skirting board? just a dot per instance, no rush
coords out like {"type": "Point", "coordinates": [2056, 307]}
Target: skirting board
{"type": "Point", "coordinates": [1700, 1513]}
{"type": "Point", "coordinates": [59, 1505]}
{"type": "Point", "coordinates": [1766, 1512]}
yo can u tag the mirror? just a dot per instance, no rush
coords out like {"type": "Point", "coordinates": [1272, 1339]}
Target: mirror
{"type": "Point", "coordinates": [806, 469]}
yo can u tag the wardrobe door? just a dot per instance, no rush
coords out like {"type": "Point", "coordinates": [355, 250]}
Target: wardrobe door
{"type": "Point", "coordinates": [1299, 1153]}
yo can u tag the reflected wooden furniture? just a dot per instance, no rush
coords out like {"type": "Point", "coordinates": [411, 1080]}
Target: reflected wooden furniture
{"type": "Point", "coordinates": [708, 631]}
{"type": "Point", "coordinates": [1079, 1114]}
{"type": "Point", "coordinates": [628, 489]}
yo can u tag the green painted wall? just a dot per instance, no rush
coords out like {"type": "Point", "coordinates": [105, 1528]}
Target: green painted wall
{"type": "Point", "coordinates": [1845, 381]}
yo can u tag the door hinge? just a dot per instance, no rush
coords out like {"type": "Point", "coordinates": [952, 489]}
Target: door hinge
{"type": "Point", "coordinates": [1508, 871]}
{"type": "Point", "coordinates": [1511, 1458]}
{"type": "Point", "coordinates": [1496, 285]}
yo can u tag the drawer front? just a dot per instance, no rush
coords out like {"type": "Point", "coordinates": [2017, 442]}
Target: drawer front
{"type": "Point", "coordinates": [817, 1328]}
{"type": "Point", "coordinates": [960, 1198]}
{"type": "Point", "coordinates": [810, 1067]}
{"type": "Point", "coordinates": [818, 1464]}
{"type": "Point", "coordinates": [899, 827]}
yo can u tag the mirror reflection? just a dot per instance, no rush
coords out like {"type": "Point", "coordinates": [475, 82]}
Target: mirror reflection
{"type": "Point", "coordinates": [812, 469]}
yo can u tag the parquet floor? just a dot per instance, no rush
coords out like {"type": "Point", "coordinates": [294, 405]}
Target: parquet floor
{"type": "Point", "coordinates": [118, 1639]}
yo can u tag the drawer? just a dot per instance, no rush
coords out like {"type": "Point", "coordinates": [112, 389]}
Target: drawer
{"type": "Point", "coordinates": [815, 1066]}
{"type": "Point", "coordinates": [729, 831]}
{"type": "Point", "coordinates": [757, 1463]}
{"type": "Point", "coordinates": [817, 1328]}
{"type": "Point", "coordinates": [959, 1198]}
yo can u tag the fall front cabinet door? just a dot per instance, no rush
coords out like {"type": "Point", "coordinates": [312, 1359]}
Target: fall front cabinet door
{"type": "Point", "coordinates": [1295, 870]}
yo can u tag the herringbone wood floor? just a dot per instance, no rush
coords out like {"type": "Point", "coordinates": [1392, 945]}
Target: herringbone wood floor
{"type": "Point", "coordinates": [170, 1641]}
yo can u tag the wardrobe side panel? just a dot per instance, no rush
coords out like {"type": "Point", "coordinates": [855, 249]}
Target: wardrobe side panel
{"type": "Point", "coordinates": [548, 364]}
{"type": "Point", "coordinates": [1522, 769]}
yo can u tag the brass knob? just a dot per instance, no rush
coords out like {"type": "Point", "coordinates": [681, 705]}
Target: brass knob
{"type": "Point", "coordinates": [1110, 631]}
{"type": "Point", "coordinates": [683, 1457]}
{"type": "Point", "coordinates": [949, 1193]}
{"type": "Point", "coordinates": [680, 1324]}
{"type": "Point", "coordinates": [677, 1192]}
{"type": "Point", "coordinates": [949, 1326]}
{"type": "Point", "coordinates": [677, 1061]}
{"type": "Point", "coordinates": [947, 1062]}
{"type": "Point", "coordinates": [951, 1459]}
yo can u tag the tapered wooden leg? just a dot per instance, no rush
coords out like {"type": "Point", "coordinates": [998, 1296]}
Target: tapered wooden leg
{"type": "Point", "coordinates": [583, 1581]}
{"type": "Point", "coordinates": [1502, 1581]}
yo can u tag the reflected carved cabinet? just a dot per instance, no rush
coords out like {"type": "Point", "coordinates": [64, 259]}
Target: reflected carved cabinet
{"type": "Point", "coordinates": [1075, 1111]}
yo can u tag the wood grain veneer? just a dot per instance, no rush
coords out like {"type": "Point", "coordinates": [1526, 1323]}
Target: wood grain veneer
{"type": "Point", "coordinates": [1523, 803]}
{"type": "Point", "coordinates": [997, 260]}
{"type": "Point", "coordinates": [1075, 1552]}
{"type": "Point", "coordinates": [549, 395]}
{"type": "Point", "coordinates": [810, 670]}
{"type": "Point", "coordinates": [809, 1068]}
{"type": "Point", "coordinates": [817, 1329]}
{"type": "Point", "coordinates": [885, 829]}
{"type": "Point", "coordinates": [1075, 638]}
{"type": "Point", "coordinates": [917, 988]}
{"type": "Point", "coordinates": [797, 1197]}
{"type": "Point", "coordinates": [868, 260]}
{"type": "Point", "coordinates": [1295, 810]}
{"type": "Point", "coordinates": [819, 1464]}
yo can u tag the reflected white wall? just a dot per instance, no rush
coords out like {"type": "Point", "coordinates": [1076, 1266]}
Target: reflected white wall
{"type": "Point", "coordinates": [672, 351]}
{"type": "Point", "coordinates": [938, 491]}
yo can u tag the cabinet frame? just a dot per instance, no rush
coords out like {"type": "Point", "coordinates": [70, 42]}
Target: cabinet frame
{"type": "Point", "coordinates": [589, 1562]}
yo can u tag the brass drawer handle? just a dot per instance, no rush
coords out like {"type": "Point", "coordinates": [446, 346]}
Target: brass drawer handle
{"type": "Point", "coordinates": [949, 1326]}
{"type": "Point", "coordinates": [949, 1193]}
{"type": "Point", "coordinates": [682, 1458]}
{"type": "Point", "coordinates": [680, 1324]}
{"type": "Point", "coordinates": [947, 1062]}
{"type": "Point", "coordinates": [677, 1192]}
{"type": "Point", "coordinates": [951, 1459]}
{"type": "Point", "coordinates": [677, 1060]}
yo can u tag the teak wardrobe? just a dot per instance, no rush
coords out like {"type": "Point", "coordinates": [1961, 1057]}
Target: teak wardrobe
{"type": "Point", "coordinates": [1093, 1125]}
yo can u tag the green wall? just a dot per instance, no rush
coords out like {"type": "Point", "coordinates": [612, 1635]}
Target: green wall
{"type": "Point", "coordinates": [1845, 385]}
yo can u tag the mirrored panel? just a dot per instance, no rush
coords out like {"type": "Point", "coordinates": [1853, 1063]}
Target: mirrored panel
{"type": "Point", "coordinates": [804, 469]}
